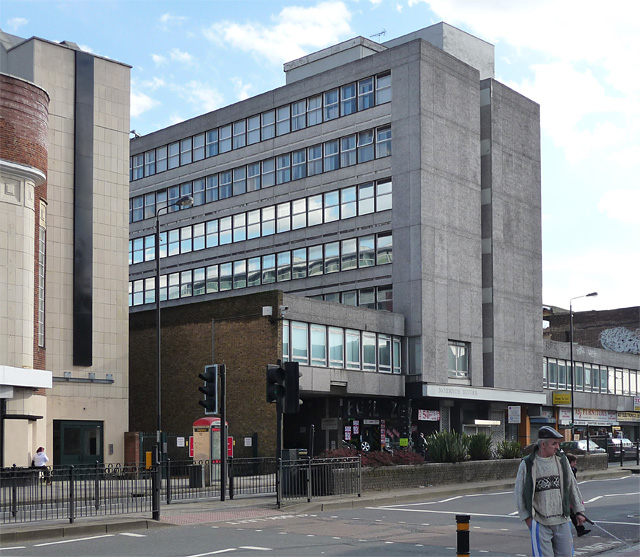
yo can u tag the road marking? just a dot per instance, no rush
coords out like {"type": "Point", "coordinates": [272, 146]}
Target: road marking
{"type": "Point", "coordinates": [594, 499]}
{"type": "Point", "coordinates": [513, 513]}
{"type": "Point", "coordinates": [438, 512]}
{"type": "Point", "coordinates": [450, 499]}
{"type": "Point", "coordinates": [74, 540]}
{"type": "Point", "coordinates": [255, 548]}
{"type": "Point", "coordinates": [214, 552]}
{"type": "Point", "coordinates": [16, 547]}
{"type": "Point", "coordinates": [131, 534]}
{"type": "Point", "coordinates": [611, 522]}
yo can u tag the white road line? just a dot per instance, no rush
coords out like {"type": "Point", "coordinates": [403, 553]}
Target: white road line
{"type": "Point", "coordinates": [74, 540]}
{"type": "Point", "coordinates": [621, 523]}
{"type": "Point", "coordinates": [16, 547]}
{"type": "Point", "coordinates": [492, 493]}
{"type": "Point", "coordinates": [132, 535]}
{"type": "Point", "coordinates": [214, 552]}
{"type": "Point", "coordinates": [255, 548]}
{"type": "Point", "coordinates": [513, 513]}
{"type": "Point", "coordinates": [450, 499]}
{"type": "Point", "coordinates": [438, 512]}
{"type": "Point", "coordinates": [594, 499]}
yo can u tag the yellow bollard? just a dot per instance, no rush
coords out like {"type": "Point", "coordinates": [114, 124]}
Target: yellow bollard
{"type": "Point", "coordinates": [147, 460]}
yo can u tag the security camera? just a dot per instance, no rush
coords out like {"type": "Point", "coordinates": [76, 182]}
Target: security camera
{"type": "Point", "coordinates": [283, 309]}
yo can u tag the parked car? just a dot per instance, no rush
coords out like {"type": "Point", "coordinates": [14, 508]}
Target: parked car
{"type": "Point", "coordinates": [580, 447]}
{"type": "Point", "coordinates": [614, 445]}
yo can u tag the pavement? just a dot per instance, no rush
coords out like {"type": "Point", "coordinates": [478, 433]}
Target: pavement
{"type": "Point", "coordinates": [243, 507]}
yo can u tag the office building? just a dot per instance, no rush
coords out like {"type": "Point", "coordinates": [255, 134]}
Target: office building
{"type": "Point", "coordinates": [398, 186]}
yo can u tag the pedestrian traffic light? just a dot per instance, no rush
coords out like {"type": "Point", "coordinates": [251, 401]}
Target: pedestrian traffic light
{"type": "Point", "coordinates": [210, 389]}
{"type": "Point", "coordinates": [292, 388]}
{"type": "Point", "coordinates": [275, 382]}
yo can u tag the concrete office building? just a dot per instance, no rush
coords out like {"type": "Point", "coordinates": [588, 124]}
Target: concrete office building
{"type": "Point", "coordinates": [398, 177]}
{"type": "Point", "coordinates": [63, 273]}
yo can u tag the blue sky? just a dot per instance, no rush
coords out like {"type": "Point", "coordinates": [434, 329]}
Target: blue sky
{"type": "Point", "coordinates": [574, 57]}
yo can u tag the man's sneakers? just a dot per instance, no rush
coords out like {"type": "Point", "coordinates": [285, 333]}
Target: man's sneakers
{"type": "Point", "coordinates": [583, 532]}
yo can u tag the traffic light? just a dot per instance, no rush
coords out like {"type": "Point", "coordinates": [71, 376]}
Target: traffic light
{"type": "Point", "coordinates": [275, 382]}
{"type": "Point", "coordinates": [210, 389]}
{"type": "Point", "coordinates": [292, 388]}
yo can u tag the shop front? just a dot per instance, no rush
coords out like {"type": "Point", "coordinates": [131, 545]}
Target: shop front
{"type": "Point", "coordinates": [375, 424]}
{"type": "Point", "coordinates": [630, 425]}
{"type": "Point", "coordinates": [590, 423]}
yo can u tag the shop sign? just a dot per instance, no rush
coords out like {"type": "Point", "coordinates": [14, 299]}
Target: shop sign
{"type": "Point", "coordinates": [589, 416]}
{"type": "Point", "coordinates": [356, 427]}
{"type": "Point", "coordinates": [561, 397]}
{"type": "Point", "coordinates": [404, 441]}
{"type": "Point", "coordinates": [629, 416]}
{"type": "Point", "coordinates": [429, 415]}
{"type": "Point", "coordinates": [636, 403]}
{"type": "Point", "coordinates": [347, 433]}
{"type": "Point", "coordinates": [329, 423]}
{"type": "Point", "coordinates": [515, 414]}
{"type": "Point", "coordinates": [383, 433]}
{"type": "Point", "coordinates": [371, 422]}
{"type": "Point", "coordinates": [360, 408]}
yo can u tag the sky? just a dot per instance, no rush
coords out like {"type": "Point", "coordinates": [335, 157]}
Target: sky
{"type": "Point", "coordinates": [577, 58]}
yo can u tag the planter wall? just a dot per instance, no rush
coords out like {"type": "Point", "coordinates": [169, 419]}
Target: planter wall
{"type": "Point", "coordinates": [401, 477]}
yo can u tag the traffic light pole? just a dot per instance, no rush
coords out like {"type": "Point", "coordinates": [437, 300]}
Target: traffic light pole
{"type": "Point", "coordinates": [278, 429]}
{"type": "Point", "coordinates": [223, 431]}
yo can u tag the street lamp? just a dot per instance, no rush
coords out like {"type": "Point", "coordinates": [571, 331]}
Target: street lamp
{"type": "Point", "coordinates": [184, 201]}
{"type": "Point", "coordinates": [573, 377]}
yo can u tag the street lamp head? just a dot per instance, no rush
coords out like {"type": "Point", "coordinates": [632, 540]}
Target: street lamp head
{"type": "Point", "coordinates": [187, 201]}
{"type": "Point", "coordinates": [591, 294]}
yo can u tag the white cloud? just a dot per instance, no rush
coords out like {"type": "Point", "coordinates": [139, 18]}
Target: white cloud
{"type": "Point", "coordinates": [612, 274]}
{"type": "Point", "coordinates": [178, 55]}
{"type": "Point", "coordinates": [16, 22]}
{"type": "Point", "coordinates": [140, 103]}
{"type": "Point", "coordinates": [154, 83]}
{"type": "Point", "coordinates": [201, 96]}
{"type": "Point", "coordinates": [86, 48]}
{"type": "Point", "coordinates": [167, 20]}
{"type": "Point", "coordinates": [158, 60]}
{"type": "Point", "coordinates": [295, 31]}
{"type": "Point", "coordinates": [623, 206]}
{"type": "Point", "coordinates": [243, 90]}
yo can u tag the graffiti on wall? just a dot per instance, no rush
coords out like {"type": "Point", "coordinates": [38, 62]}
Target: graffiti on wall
{"type": "Point", "coordinates": [621, 339]}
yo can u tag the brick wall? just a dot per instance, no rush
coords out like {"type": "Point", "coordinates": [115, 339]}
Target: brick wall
{"type": "Point", "coordinates": [588, 325]}
{"type": "Point", "coordinates": [244, 340]}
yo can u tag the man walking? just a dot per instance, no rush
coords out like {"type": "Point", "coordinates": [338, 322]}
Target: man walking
{"type": "Point", "coordinates": [546, 491]}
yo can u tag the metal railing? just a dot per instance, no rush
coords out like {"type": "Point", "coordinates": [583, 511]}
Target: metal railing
{"type": "Point", "coordinates": [67, 493]}
{"type": "Point", "coordinates": [30, 494]}
{"type": "Point", "coordinates": [319, 477]}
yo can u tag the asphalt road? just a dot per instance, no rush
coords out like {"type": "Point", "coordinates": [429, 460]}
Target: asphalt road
{"type": "Point", "coordinates": [426, 528]}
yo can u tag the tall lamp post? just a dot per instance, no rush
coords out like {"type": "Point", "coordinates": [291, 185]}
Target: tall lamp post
{"type": "Point", "coordinates": [573, 376]}
{"type": "Point", "coordinates": [185, 201]}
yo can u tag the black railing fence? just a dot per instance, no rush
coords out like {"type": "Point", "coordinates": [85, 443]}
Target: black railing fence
{"type": "Point", "coordinates": [67, 493]}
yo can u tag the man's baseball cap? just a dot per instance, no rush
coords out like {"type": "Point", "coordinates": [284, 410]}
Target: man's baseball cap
{"type": "Point", "coordinates": [547, 432]}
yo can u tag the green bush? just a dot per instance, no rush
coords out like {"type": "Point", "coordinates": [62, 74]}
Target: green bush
{"type": "Point", "coordinates": [447, 446]}
{"type": "Point", "coordinates": [480, 446]}
{"type": "Point", "coordinates": [509, 449]}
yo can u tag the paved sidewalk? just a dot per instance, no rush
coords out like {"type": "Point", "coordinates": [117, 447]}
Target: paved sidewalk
{"type": "Point", "coordinates": [214, 510]}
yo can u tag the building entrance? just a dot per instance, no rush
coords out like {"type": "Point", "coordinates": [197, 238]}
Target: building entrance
{"type": "Point", "coordinates": [78, 443]}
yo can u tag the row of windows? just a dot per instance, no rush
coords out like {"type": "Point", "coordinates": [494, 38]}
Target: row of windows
{"type": "Point", "coordinates": [292, 215]}
{"type": "Point", "coordinates": [333, 257]}
{"type": "Point", "coordinates": [379, 297]}
{"type": "Point", "coordinates": [319, 345]}
{"type": "Point", "coordinates": [298, 115]}
{"type": "Point", "coordinates": [591, 378]}
{"type": "Point", "coordinates": [325, 157]}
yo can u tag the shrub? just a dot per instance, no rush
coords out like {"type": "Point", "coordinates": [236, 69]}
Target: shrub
{"type": "Point", "coordinates": [446, 446]}
{"type": "Point", "coordinates": [509, 449]}
{"type": "Point", "coordinates": [480, 446]}
{"type": "Point", "coordinates": [407, 457]}
{"type": "Point", "coordinates": [375, 459]}
{"type": "Point", "coordinates": [339, 453]}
